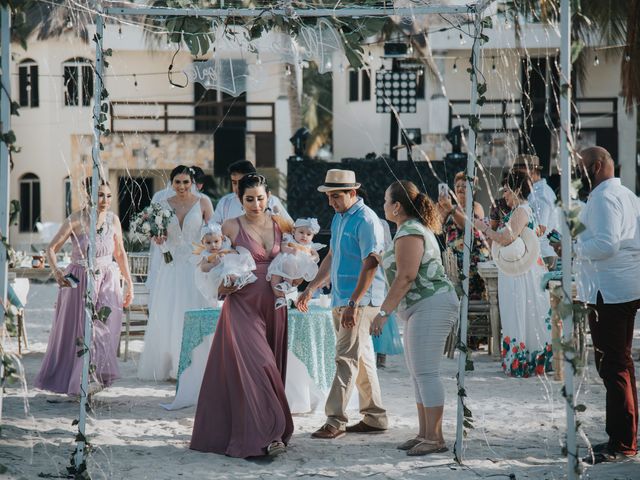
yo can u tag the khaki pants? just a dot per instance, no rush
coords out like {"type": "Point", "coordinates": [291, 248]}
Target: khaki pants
{"type": "Point", "coordinates": [355, 363]}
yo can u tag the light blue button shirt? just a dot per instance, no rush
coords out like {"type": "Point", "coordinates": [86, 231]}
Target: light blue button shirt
{"type": "Point", "coordinates": [608, 251]}
{"type": "Point", "coordinates": [355, 235]}
{"type": "Point", "coordinates": [542, 201]}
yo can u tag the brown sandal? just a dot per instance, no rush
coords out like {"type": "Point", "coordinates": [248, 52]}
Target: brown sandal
{"type": "Point", "coordinates": [409, 444]}
{"type": "Point", "coordinates": [427, 447]}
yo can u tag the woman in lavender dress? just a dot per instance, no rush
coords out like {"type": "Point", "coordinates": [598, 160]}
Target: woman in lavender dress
{"type": "Point", "coordinates": [61, 369]}
{"type": "Point", "coordinates": [242, 409]}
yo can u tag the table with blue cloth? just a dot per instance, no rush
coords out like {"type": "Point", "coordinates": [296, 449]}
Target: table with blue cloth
{"type": "Point", "coordinates": [311, 338]}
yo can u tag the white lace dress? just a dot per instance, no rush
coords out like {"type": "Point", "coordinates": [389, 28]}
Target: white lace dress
{"type": "Point", "coordinates": [233, 269]}
{"type": "Point", "coordinates": [174, 292]}
{"type": "Point", "coordinates": [292, 266]}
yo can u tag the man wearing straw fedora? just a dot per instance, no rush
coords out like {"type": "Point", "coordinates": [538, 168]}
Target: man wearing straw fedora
{"type": "Point", "coordinates": [357, 288]}
{"type": "Point", "coordinates": [542, 201]}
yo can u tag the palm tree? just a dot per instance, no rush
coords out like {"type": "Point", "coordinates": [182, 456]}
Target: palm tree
{"type": "Point", "coordinates": [614, 22]}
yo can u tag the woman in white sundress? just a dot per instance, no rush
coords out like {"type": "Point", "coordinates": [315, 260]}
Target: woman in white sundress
{"type": "Point", "coordinates": [174, 290]}
{"type": "Point", "coordinates": [524, 305]}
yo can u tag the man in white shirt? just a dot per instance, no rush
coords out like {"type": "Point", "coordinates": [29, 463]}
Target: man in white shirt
{"type": "Point", "coordinates": [608, 257]}
{"type": "Point", "coordinates": [229, 206]}
{"type": "Point", "coordinates": [542, 201]}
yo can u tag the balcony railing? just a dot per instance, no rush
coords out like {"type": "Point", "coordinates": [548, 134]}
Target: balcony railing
{"type": "Point", "coordinates": [508, 115]}
{"type": "Point", "coordinates": [191, 117]}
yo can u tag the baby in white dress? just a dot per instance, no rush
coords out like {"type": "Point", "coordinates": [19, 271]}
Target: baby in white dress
{"type": "Point", "coordinates": [298, 258]}
{"type": "Point", "coordinates": [218, 263]}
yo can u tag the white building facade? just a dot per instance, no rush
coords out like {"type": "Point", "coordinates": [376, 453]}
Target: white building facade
{"type": "Point", "coordinates": [154, 125]}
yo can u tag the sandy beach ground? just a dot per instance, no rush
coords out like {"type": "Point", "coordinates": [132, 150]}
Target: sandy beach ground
{"type": "Point", "coordinates": [519, 428]}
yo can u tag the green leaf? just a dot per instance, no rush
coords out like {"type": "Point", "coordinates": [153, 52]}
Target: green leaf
{"type": "Point", "coordinates": [468, 366]}
{"type": "Point", "coordinates": [474, 123]}
{"type": "Point", "coordinates": [14, 211]}
{"type": "Point", "coordinates": [580, 408]}
{"type": "Point", "coordinates": [576, 48]}
{"type": "Point", "coordinates": [486, 22]}
{"type": "Point", "coordinates": [9, 137]}
{"type": "Point", "coordinates": [103, 314]}
{"type": "Point", "coordinates": [15, 107]}
{"type": "Point", "coordinates": [482, 88]}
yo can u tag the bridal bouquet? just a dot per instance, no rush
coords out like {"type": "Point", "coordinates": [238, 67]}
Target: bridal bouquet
{"type": "Point", "coordinates": [152, 222]}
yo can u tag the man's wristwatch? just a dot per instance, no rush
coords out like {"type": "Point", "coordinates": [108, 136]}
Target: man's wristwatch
{"type": "Point", "coordinates": [351, 304]}
{"type": "Point", "coordinates": [382, 313]}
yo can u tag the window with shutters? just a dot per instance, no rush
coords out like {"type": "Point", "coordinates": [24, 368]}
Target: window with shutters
{"type": "Point", "coordinates": [78, 82]}
{"type": "Point", "coordinates": [28, 84]}
{"type": "Point", "coordinates": [359, 85]}
{"type": "Point", "coordinates": [29, 202]}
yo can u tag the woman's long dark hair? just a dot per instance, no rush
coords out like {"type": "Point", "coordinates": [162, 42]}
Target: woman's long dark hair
{"type": "Point", "coordinates": [518, 182]}
{"type": "Point", "coordinates": [416, 204]}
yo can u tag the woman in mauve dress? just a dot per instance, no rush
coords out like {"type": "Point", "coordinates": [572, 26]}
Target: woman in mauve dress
{"type": "Point", "coordinates": [61, 369]}
{"type": "Point", "coordinates": [242, 409]}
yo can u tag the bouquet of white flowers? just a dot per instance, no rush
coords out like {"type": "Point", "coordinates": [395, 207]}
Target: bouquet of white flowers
{"type": "Point", "coordinates": [152, 222]}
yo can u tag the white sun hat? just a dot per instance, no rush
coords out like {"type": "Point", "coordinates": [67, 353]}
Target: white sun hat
{"type": "Point", "coordinates": [517, 257]}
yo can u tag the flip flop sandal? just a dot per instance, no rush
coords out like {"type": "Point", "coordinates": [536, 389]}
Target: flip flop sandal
{"type": "Point", "coordinates": [409, 444]}
{"type": "Point", "coordinates": [604, 457]}
{"type": "Point", "coordinates": [427, 447]}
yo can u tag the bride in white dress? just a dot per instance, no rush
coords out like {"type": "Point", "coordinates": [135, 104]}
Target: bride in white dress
{"type": "Point", "coordinates": [174, 290]}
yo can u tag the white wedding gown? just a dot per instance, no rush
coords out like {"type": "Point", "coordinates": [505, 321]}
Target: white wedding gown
{"type": "Point", "coordinates": [174, 292]}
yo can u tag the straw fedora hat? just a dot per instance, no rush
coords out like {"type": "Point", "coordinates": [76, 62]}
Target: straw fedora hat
{"type": "Point", "coordinates": [517, 257]}
{"type": "Point", "coordinates": [337, 179]}
{"type": "Point", "coordinates": [527, 162]}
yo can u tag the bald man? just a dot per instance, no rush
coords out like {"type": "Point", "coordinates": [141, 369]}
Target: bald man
{"type": "Point", "coordinates": [608, 257]}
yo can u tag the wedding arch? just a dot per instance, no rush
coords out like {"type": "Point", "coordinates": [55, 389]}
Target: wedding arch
{"type": "Point", "coordinates": [285, 11]}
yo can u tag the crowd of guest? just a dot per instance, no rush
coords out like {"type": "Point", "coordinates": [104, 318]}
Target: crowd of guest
{"type": "Point", "coordinates": [242, 408]}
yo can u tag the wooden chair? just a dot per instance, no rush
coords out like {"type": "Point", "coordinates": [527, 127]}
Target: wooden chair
{"type": "Point", "coordinates": [450, 263]}
{"type": "Point", "coordinates": [18, 290]}
{"type": "Point", "coordinates": [479, 324]}
{"type": "Point", "coordinates": [136, 315]}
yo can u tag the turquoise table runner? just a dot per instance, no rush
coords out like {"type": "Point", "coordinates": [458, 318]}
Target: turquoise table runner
{"type": "Point", "coordinates": [311, 338]}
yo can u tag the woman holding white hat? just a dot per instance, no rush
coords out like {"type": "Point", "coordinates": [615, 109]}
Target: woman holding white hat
{"type": "Point", "coordinates": [524, 305]}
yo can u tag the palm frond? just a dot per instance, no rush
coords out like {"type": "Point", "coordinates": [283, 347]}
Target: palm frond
{"type": "Point", "coordinates": [631, 58]}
